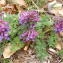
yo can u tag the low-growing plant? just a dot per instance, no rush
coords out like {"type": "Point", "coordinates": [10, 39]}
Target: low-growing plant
{"type": "Point", "coordinates": [38, 30]}
{"type": "Point", "coordinates": [47, 36]}
{"type": "Point", "coordinates": [29, 19]}
{"type": "Point", "coordinates": [13, 33]}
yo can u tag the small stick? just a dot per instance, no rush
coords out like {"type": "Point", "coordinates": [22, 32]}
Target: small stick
{"type": "Point", "coordinates": [35, 4]}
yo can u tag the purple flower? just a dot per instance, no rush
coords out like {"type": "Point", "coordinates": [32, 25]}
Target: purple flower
{"type": "Point", "coordinates": [58, 25]}
{"type": "Point", "coordinates": [29, 35]}
{"type": "Point", "coordinates": [4, 29]}
{"type": "Point", "coordinates": [29, 16]}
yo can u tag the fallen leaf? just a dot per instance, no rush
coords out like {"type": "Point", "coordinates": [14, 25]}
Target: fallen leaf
{"type": "Point", "coordinates": [20, 2]}
{"type": "Point", "coordinates": [53, 11]}
{"type": "Point", "coordinates": [52, 50]}
{"type": "Point", "coordinates": [55, 8]}
{"type": "Point", "coordinates": [7, 51]}
{"type": "Point", "coordinates": [26, 48]}
{"type": "Point", "coordinates": [51, 4]}
{"type": "Point", "coordinates": [58, 46]}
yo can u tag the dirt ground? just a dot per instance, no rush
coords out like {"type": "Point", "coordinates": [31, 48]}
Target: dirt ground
{"type": "Point", "coordinates": [30, 57]}
{"type": "Point", "coordinates": [25, 57]}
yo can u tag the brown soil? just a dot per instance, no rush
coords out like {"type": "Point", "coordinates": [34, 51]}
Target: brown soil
{"type": "Point", "coordinates": [25, 57]}
{"type": "Point", "coordinates": [29, 56]}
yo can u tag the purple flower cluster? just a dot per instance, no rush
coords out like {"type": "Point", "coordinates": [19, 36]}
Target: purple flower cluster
{"type": "Point", "coordinates": [29, 35]}
{"type": "Point", "coordinates": [58, 25]}
{"type": "Point", "coordinates": [4, 28]}
{"type": "Point", "coordinates": [28, 16]}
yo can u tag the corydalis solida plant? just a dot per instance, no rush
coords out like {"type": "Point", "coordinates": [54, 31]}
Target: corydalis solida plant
{"type": "Point", "coordinates": [29, 18]}
{"type": "Point", "coordinates": [4, 29]}
{"type": "Point", "coordinates": [30, 35]}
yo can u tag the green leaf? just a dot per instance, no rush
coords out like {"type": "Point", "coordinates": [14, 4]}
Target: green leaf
{"type": "Point", "coordinates": [16, 44]}
{"type": "Point", "coordinates": [52, 40]}
{"type": "Point", "coordinates": [41, 49]}
{"type": "Point", "coordinates": [46, 20]}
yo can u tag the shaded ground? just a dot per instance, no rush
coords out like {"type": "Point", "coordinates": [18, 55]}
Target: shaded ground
{"type": "Point", "coordinates": [25, 57]}
{"type": "Point", "coordinates": [30, 57]}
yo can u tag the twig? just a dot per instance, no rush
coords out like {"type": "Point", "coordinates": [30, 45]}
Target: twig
{"type": "Point", "coordinates": [47, 31]}
{"type": "Point", "coordinates": [35, 4]}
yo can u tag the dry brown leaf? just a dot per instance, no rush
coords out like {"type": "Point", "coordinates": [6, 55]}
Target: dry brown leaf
{"type": "Point", "coordinates": [10, 8]}
{"type": "Point", "coordinates": [7, 51]}
{"type": "Point", "coordinates": [58, 46]}
{"type": "Point", "coordinates": [57, 12]}
{"type": "Point", "coordinates": [25, 48]}
{"type": "Point", "coordinates": [55, 8]}
{"type": "Point", "coordinates": [14, 7]}
{"type": "Point", "coordinates": [52, 50]}
{"type": "Point", "coordinates": [20, 2]}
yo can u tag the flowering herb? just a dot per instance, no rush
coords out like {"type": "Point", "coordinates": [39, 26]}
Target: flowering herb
{"type": "Point", "coordinates": [29, 18]}
{"type": "Point", "coordinates": [58, 26]}
{"type": "Point", "coordinates": [29, 35]}
{"type": "Point", "coordinates": [4, 29]}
